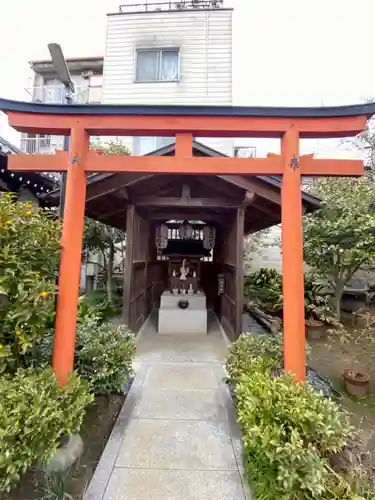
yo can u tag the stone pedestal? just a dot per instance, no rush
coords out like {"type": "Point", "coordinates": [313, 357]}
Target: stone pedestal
{"type": "Point", "coordinates": [173, 320]}
{"type": "Point", "coordinates": [66, 456]}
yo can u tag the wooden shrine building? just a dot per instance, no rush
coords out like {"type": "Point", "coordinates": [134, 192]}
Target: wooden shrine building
{"type": "Point", "coordinates": [140, 204]}
{"type": "Point", "coordinates": [208, 200]}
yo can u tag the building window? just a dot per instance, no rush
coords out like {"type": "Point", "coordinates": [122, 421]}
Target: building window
{"type": "Point", "coordinates": [161, 65]}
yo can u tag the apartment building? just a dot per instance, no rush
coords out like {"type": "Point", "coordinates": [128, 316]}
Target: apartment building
{"type": "Point", "coordinates": [87, 75]}
{"type": "Point", "coordinates": [169, 52]}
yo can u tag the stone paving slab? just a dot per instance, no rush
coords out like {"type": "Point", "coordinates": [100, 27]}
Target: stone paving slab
{"type": "Point", "coordinates": [174, 404]}
{"type": "Point", "coordinates": [136, 484]}
{"type": "Point", "coordinates": [208, 349]}
{"type": "Point", "coordinates": [180, 376]}
{"type": "Point", "coordinates": [176, 437]}
{"type": "Point", "coordinates": [177, 444]}
{"type": "Point", "coordinates": [167, 353]}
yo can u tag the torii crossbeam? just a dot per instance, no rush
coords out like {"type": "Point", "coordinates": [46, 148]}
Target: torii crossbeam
{"type": "Point", "coordinates": [185, 122]}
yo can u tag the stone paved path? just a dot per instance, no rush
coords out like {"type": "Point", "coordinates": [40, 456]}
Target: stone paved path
{"type": "Point", "coordinates": [176, 437]}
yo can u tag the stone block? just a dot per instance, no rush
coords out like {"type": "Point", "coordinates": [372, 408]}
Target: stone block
{"type": "Point", "coordinates": [182, 321]}
{"type": "Point", "coordinates": [66, 455]}
{"type": "Point", "coordinates": [170, 301]}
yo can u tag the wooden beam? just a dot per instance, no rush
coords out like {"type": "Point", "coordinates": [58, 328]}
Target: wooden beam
{"type": "Point", "coordinates": [185, 202]}
{"type": "Point", "coordinates": [214, 183]}
{"type": "Point", "coordinates": [198, 126]}
{"type": "Point", "coordinates": [111, 184]}
{"type": "Point", "coordinates": [173, 225]}
{"type": "Point", "coordinates": [95, 162]}
{"type": "Point", "coordinates": [317, 167]}
{"type": "Point", "coordinates": [203, 216]}
{"type": "Point", "coordinates": [273, 213]}
{"type": "Point", "coordinates": [57, 162]}
{"type": "Point", "coordinates": [107, 215]}
{"type": "Point", "coordinates": [153, 184]}
{"type": "Point", "coordinates": [254, 185]}
{"type": "Point", "coordinates": [272, 165]}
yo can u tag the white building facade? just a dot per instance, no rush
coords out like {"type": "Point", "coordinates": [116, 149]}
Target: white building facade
{"type": "Point", "coordinates": [169, 53]}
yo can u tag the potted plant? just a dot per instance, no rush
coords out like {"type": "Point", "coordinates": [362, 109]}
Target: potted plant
{"type": "Point", "coordinates": [356, 383]}
{"type": "Point", "coordinates": [318, 312]}
{"type": "Point", "coordinates": [265, 287]}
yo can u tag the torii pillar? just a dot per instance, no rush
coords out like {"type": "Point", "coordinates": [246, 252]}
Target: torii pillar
{"type": "Point", "coordinates": [71, 255]}
{"type": "Point", "coordinates": [292, 257]}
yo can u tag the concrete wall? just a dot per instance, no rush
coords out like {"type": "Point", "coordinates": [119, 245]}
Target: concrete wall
{"type": "Point", "coordinates": [269, 255]}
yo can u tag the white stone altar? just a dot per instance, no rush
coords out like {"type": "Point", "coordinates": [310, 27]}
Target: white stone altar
{"type": "Point", "coordinates": [174, 320]}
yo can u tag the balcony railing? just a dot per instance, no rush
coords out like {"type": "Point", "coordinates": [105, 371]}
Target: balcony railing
{"type": "Point", "coordinates": [41, 145]}
{"type": "Point", "coordinates": [55, 94]}
{"type": "Point", "coordinates": [155, 5]}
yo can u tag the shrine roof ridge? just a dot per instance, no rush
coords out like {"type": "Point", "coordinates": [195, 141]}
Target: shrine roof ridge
{"type": "Point", "coordinates": [365, 109]}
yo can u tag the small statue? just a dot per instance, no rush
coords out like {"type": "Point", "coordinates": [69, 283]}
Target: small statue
{"type": "Point", "coordinates": [194, 274]}
{"type": "Point", "coordinates": [174, 272]}
{"type": "Point", "coordinates": [184, 270]}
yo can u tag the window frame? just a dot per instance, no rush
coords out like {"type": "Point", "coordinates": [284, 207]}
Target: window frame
{"type": "Point", "coordinates": [159, 51]}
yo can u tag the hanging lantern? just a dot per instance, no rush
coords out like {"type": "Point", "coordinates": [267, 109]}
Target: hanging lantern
{"type": "Point", "coordinates": [186, 231]}
{"type": "Point", "coordinates": [209, 234]}
{"type": "Point", "coordinates": [161, 238]}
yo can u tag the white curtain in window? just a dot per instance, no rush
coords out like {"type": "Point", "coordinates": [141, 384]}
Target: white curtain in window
{"type": "Point", "coordinates": [169, 65]}
{"type": "Point", "coordinates": [161, 142]}
{"type": "Point", "coordinates": [147, 66]}
{"type": "Point", "coordinates": [143, 145]}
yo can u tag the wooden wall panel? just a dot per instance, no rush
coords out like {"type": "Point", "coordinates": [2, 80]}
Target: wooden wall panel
{"type": "Point", "coordinates": [229, 257]}
{"type": "Point", "coordinates": [137, 287]}
{"type": "Point", "coordinates": [209, 272]}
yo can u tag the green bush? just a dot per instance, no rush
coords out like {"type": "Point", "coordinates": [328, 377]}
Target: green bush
{"type": "Point", "coordinates": [254, 352]}
{"type": "Point", "coordinates": [96, 306]}
{"type": "Point", "coordinates": [34, 414]}
{"type": "Point", "coordinates": [289, 431]}
{"type": "Point", "coordinates": [29, 253]}
{"type": "Point", "coordinates": [265, 287]}
{"type": "Point", "coordinates": [104, 356]}
{"type": "Point", "coordinates": [317, 303]}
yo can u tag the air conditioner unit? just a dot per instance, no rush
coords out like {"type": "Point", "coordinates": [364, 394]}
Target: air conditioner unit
{"type": "Point", "coordinates": [244, 152]}
{"type": "Point", "coordinates": [86, 74]}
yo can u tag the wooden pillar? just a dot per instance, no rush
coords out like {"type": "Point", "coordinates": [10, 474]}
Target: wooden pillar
{"type": "Point", "coordinates": [240, 222]}
{"type": "Point", "coordinates": [292, 258]}
{"type": "Point", "coordinates": [70, 262]}
{"type": "Point", "coordinates": [128, 267]}
{"type": "Point", "coordinates": [184, 145]}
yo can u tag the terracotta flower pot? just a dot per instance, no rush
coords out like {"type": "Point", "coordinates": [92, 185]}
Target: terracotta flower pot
{"type": "Point", "coordinates": [315, 329]}
{"type": "Point", "coordinates": [356, 383]}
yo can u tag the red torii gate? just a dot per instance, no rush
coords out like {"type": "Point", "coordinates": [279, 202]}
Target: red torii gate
{"type": "Point", "coordinates": [185, 122]}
